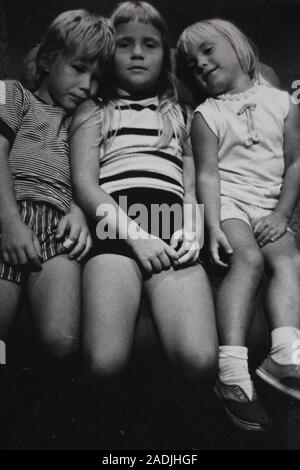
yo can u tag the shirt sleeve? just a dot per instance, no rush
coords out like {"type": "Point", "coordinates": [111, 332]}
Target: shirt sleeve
{"type": "Point", "coordinates": [208, 112]}
{"type": "Point", "coordinates": [14, 103]}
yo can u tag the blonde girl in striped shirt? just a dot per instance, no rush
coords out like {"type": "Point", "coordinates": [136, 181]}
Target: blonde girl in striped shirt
{"type": "Point", "coordinates": [133, 147]}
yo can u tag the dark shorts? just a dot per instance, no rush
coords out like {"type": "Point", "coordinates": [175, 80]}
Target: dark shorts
{"type": "Point", "coordinates": [159, 215]}
{"type": "Point", "coordinates": [43, 220]}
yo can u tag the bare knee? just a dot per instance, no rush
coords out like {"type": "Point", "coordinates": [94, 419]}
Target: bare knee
{"type": "Point", "coordinates": [107, 365]}
{"type": "Point", "coordinates": [285, 263]}
{"type": "Point", "coordinates": [250, 259]}
{"type": "Point", "coordinates": [196, 365]}
{"type": "Point", "coordinates": [60, 348]}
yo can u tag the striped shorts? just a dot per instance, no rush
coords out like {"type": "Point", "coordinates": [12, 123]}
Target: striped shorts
{"type": "Point", "coordinates": [43, 220]}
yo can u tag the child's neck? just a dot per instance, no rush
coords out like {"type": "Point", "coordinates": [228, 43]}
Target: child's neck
{"type": "Point", "coordinates": [241, 84]}
{"type": "Point", "coordinates": [121, 92]}
{"type": "Point", "coordinates": [44, 95]}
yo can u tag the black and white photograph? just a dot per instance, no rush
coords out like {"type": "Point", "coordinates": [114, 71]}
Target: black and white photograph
{"type": "Point", "coordinates": [149, 228]}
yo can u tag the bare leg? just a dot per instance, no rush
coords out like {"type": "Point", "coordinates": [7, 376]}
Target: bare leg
{"type": "Point", "coordinates": [183, 311]}
{"type": "Point", "coordinates": [235, 303]}
{"type": "Point", "coordinates": [281, 367]}
{"type": "Point", "coordinates": [283, 292]}
{"type": "Point", "coordinates": [10, 295]}
{"type": "Point", "coordinates": [55, 300]}
{"type": "Point", "coordinates": [237, 292]}
{"type": "Point", "coordinates": [111, 296]}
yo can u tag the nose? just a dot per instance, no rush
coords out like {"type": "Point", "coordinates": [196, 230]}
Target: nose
{"type": "Point", "coordinates": [202, 61]}
{"type": "Point", "coordinates": [137, 51]}
{"type": "Point", "coordinates": [86, 83]}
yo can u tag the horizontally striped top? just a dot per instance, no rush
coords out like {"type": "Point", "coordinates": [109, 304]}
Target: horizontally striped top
{"type": "Point", "coordinates": [39, 155]}
{"type": "Point", "coordinates": [132, 158]}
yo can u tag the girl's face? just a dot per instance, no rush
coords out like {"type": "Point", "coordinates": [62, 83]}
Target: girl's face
{"type": "Point", "coordinates": [68, 83]}
{"type": "Point", "coordinates": [138, 58]}
{"type": "Point", "coordinates": [215, 67]}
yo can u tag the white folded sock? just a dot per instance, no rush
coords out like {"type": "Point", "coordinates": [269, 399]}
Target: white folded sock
{"type": "Point", "coordinates": [285, 342]}
{"type": "Point", "coordinates": [233, 368]}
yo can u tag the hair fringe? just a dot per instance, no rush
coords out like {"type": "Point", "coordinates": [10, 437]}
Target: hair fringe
{"type": "Point", "coordinates": [74, 34]}
{"type": "Point", "coordinates": [244, 47]}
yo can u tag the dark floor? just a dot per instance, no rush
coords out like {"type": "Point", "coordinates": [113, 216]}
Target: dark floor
{"type": "Point", "coordinates": [153, 420]}
{"type": "Point", "coordinates": [150, 414]}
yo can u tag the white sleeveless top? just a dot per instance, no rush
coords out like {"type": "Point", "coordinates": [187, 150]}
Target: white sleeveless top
{"type": "Point", "coordinates": [249, 127]}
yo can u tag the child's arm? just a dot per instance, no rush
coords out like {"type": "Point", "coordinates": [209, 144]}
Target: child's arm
{"type": "Point", "coordinates": [205, 149]}
{"type": "Point", "coordinates": [153, 253]}
{"type": "Point", "coordinates": [272, 227]}
{"type": "Point", "coordinates": [74, 229]}
{"type": "Point", "coordinates": [19, 245]}
{"type": "Point", "coordinates": [192, 232]}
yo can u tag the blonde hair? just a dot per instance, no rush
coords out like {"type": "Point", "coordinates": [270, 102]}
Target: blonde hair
{"type": "Point", "coordinates": [74, 34]}
{"type": "Point", "coordinates": [169, 114]}
{"type": "Point", "coordinates": [197, 33]}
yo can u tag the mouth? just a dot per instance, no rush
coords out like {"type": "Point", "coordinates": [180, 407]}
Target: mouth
{"type": "Point", "coordinates": [209, 72]}
{"type": "Point", "coordinates": [137, 68]}
{"type": "Point", "coordinates": [78, 99]}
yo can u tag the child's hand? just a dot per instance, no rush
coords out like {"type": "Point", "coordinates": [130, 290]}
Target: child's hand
{"type": "Point", "coordinates": [153, 253]}
{"type": "Point", "coordinates": [270, 228]}
{"type": "Point", "coordinates": [189, 250]}
{"type": "Point", "coordinates": [73, 227]}
{"type": "Point", "coordinates": [218, 240]}
{"type": "Point", "coordinates": [20, 246]}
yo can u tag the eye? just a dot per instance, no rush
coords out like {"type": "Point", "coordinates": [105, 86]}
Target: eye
{"type": "Point", "coordinates": [80, 68]}
{"type": "Point", "coordinates": [122, 44]}
{"type": "Point", "coordinates": [151, 45]}
{"type": "Point", "coordinates": [208, 49]}
{"type": "Point", "coordinates": [152, 42]}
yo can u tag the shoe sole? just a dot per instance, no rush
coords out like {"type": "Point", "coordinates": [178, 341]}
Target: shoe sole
{"type": "Point", "coordinates": [276, 384]}
{"type": "Point", "coordinates": [245, 425]}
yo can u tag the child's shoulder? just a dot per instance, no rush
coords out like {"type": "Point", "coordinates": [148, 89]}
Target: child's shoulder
{"type": "Point", "coordinates": [208, 103]}
{"type": "Point", "coordinates": [14, 97]}
{"type": "Point", "coordinates": [268, 89]}
{"type": "Point", "coordinates": [13, 87]}
{"type": "Point", "coordinates": [90, 109]}
{"type": "Point", "coordinates": [13, 83]}
{"type": "Point", "coordinates": [274, 97]}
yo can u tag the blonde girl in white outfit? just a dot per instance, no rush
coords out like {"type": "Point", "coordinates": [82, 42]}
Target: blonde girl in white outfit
{"type": "Point", "coordinates": [246, 145]}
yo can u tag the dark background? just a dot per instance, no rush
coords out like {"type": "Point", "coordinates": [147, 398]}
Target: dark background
{"type": "Point", "coordinates": [272, 24]}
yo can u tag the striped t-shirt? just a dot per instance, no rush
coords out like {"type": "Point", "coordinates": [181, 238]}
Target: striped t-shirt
{"type": "Point", "coordinates": [39, 154]}
{"type": "Point", "coordinates": [132, 158]}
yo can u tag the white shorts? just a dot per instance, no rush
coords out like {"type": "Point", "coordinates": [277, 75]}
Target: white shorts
{"type": "Point", "coordinates": [233, 209]}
